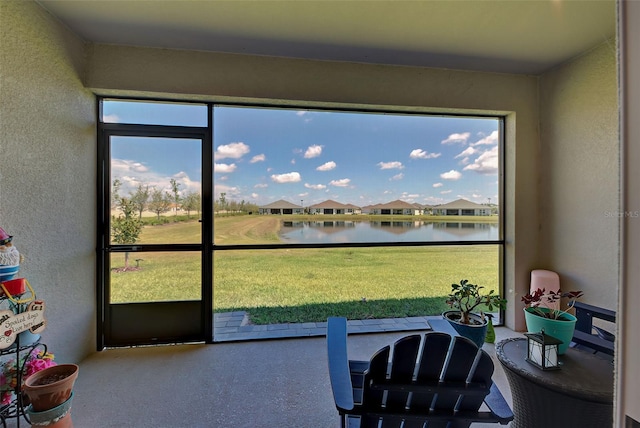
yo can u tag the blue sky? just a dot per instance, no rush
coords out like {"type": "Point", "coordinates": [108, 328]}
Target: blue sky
{"type": "Point", "coordinates": [263, 155]}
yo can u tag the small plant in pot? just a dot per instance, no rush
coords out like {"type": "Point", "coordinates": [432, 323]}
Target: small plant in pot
{"type": "Point", "coordinates": [463, 299]}
{"type": "Point", "coordinates": [539, 315]}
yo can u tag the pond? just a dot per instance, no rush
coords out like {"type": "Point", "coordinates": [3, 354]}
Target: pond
{"type": "Point", "coordinates": [345, 231]}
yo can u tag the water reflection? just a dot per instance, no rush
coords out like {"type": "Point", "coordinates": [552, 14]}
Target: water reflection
{"type": "Point", "coordinates": [344, 231]}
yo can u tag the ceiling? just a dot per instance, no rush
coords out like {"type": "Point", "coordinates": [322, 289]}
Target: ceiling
{"type": "Point", "coordinates": [511, 36]}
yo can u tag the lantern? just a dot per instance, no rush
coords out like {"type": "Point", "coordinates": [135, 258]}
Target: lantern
{"type": "Point", "coordinates": [542, 350]}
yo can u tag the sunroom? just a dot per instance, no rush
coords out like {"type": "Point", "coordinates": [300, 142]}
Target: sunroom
{"type": "Point", "coordinates": [560, 73]}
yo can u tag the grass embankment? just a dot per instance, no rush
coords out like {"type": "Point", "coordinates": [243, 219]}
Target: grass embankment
{"type": "Point", "coordinates": [302, 285]}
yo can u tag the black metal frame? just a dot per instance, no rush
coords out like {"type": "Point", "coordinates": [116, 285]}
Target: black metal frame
{"type": "Point", "coordinates": [207, 246]}
{"type": "Point", "coordinates": [106, 336]}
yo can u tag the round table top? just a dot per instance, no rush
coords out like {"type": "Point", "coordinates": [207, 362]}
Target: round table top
{"type": "Point", "coordinates": [582, 374]}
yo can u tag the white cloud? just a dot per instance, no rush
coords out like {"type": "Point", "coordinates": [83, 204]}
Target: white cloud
{"type": "Point", "coordinates": [490, 140]}
{"type": "Point", "coordinates": [326, 166]}
{"type": "Point", "coordinates": [397, 177]}
{"type": "Point", "coordinates": [232, 150]}
{"type": "Point", "coordinates": [255, 195]}
{"type": "Point", "coordinates": [436, 185]}
{"type": "Point", "coordinates": [224, 168]}
{"type": "Point", "coordinates": [313, 151]}
{"type": "Point", "coordinates": [132, 174]}
{"type": "Point", "coordinates": [390, 165]}
{"type": "Point", "coordinates": [111, 118]}
{"type": "Point", "coordinates": [340, 183]}
{"type": "Point", "coordinates": [457, 138]}
{"type": "Point", "coordinates": [451, 175]}
{"type": "Point", "coordinates": [258, 158]}
{"type": "Point", "coordinates": [421, 154]}
{"type": "Point", "coordinates": [486, 163]}
{"type": "Point", "coordinates": [260, 186]}
{"type": "Point", "coordinates": [469, 151]}
{"type": "Point", "coordinates": [444, 192]}
{"type": "Point", "coordinates": [290, 177]}
{"type": "Point", "coordinates": [315, 186]}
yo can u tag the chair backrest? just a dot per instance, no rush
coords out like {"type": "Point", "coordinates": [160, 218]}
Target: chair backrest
{"type": "Point", "coordinates": [445, 376]}
{"type": "Point", "coordinates": [602, 341]}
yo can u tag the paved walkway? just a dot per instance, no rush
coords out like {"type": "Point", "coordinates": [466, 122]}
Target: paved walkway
{"type": "Point", "coordinates": [234, 326]}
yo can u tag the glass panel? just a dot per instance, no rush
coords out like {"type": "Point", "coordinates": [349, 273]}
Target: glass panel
{"type": "Point", "coordinates": [305, 285]}
{"type": "Point", "coordinates": [155, 190]}
{"type": "Point", "coordinates": [154, 113]}
{"type": "Point", "coordinates": [155, 276]}
{"type": "Point", "coordinates": [328, 177]}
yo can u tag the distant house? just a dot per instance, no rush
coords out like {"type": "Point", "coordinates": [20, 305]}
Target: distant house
{"type": "Point", "coordinates": [330, 207]}
{"type": "Point", "coordinates": [280, 207]}
{"type": "Point", "coordinates": [397, 207]}
{"type": "Point", "coordinates": [462, 207]}
{"type": "Point", "coordinates": [353, 209]}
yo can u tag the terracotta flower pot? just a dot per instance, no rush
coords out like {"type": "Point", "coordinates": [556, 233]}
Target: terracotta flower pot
{"type": "Point", "coordinates": [50, 387]}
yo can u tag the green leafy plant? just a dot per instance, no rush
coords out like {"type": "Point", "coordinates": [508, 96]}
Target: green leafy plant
{"type": "Point", "coordinates": [465, 297]}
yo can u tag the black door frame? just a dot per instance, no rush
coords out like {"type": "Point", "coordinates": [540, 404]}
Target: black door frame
{"type": "Point", "coordinates": [161, 322]}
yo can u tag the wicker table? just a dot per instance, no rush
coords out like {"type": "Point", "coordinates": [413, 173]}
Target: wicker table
{"type": "Point", "coordinates": [580, 394]}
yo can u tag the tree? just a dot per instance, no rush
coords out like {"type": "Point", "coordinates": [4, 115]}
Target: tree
{"type": "Point", "coordinates": [115, 190]}
{"type": "Point", "coordinates": [191, 202]}
{"type": "Point", "coordinates": [140, 198]}
{"type": "Point", "coordinates": [160, 202]}
{"type": "Point", "coordinates": [223, 201]}
{"type": "Point", "coordinates": [125, 228]}
{"type": "Point", "coordinates": [176, 195]}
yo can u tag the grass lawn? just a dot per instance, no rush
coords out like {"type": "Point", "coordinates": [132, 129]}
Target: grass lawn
{"type": "Point", "coordinates": [302, 285]}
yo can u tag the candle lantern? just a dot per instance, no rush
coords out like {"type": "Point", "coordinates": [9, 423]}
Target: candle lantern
{"type": "Point", "coordinates": [542, 350]}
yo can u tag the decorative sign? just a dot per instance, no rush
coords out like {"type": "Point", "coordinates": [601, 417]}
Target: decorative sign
{"type": "Point", "coordinates": [11, 324]}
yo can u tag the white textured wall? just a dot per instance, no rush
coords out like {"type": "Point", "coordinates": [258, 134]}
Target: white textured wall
{"type": "Point", "coordinates": [628, 344]}
{"type": "Point", "coordinates": [47, 171]}
{"type": "Point", "coordinates": [579, 170]}
{"type": "Point", "coordinates": [214, 76]}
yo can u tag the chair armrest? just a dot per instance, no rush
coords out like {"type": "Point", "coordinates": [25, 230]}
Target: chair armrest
{"type": "Point", "coordinates": [498, 405]}
{"type": "Point", "coordinates": [339, 363]}
{"type": "Point", "coordinates": [443, 326]}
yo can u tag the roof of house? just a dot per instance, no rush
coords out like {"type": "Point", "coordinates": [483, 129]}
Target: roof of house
{"type": "Point", "coordinates": [397, 204]}
{"type": "Point", "coordinates": [281, 204]}
{"type": "Point", "coordinates": [460, 204]}
{"type": "Point", "coordinates": [329, 203]}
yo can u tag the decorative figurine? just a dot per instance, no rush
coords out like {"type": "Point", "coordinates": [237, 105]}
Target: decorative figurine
{"type": "Point", "coordinates": [9, 254]}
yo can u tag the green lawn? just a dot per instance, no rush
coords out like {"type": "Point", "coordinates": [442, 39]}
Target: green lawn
{"type": "Point", "coordinates": [300, 285]}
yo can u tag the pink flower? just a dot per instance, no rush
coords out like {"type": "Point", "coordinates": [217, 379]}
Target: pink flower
{"type": "Point", "coordinates": [35, 365]}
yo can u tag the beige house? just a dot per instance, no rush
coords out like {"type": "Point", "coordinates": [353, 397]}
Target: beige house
{"type": "Point", "coordinates": [570, 103]}
{"type": "Point", "coordinates": [280, 207]}
{"type": "Point", "coordinates": [330, 207]}
{"type": "Point", "coordinates": [462, 207]}
{"type": "Point", "coordinates": [396, 207]}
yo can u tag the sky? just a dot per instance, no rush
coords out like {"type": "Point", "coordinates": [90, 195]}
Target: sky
{"type": "Point", "coordinates": [262, 155]}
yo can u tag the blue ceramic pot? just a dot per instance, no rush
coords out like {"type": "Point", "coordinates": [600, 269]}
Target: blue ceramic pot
{"type": "Point", "coordinates": [475, 332]}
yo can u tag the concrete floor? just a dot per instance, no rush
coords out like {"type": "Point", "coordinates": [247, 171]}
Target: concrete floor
{"type": "Point", "coordinates": [259, 384]}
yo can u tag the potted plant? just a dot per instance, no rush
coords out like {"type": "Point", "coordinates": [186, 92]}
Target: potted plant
{"type": "Point", "coordinates": [464, 298]}
{"type": "Point", "coordinates": [555, 322]}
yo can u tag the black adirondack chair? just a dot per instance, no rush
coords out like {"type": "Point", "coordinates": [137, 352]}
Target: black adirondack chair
{"type": "Point", "coordinates": [438, 382]}
{"type": "Point", "coordinates": [588, 335]}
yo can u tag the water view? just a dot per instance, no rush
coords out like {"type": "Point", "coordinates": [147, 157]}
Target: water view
{"type": "Point", "coordinates": [344, 231]}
